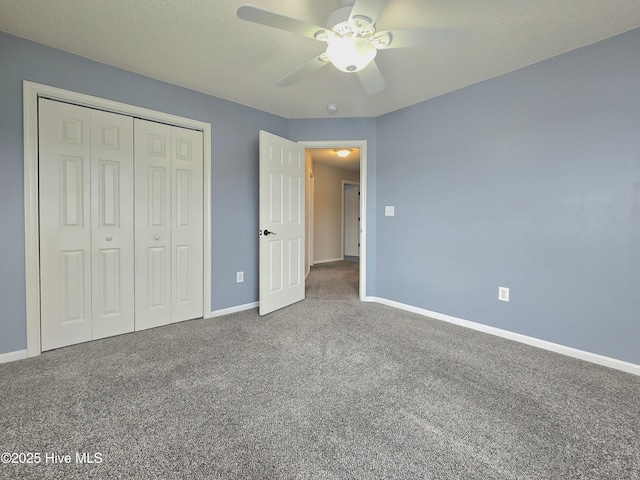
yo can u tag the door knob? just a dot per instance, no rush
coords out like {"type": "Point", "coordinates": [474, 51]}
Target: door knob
{"type": "Point", "coordinates": [156, 237]}
{"type": "Point", "coordinates": [109, 238]}
{"type": "Point", "coordinates": [267, 232]}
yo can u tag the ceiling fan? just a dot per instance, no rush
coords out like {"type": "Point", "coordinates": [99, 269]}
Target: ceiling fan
{"type": "Point", "coordinates": [352, 39]}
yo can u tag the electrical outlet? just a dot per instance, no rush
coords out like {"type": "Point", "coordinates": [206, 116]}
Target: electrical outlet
{"type": "Point", "coordinates": [503, 294]}
{"type": "Point", "coordinates": [389, 211]}
{"type": "Point", "coordinates": [239, 277]}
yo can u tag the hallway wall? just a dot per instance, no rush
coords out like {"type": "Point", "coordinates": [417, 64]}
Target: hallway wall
{"type": "Point", "coordinates": [327, 218]}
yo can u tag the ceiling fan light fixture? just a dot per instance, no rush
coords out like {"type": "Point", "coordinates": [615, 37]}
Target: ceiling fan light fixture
{"type": "Point", "coordinates": [343, 152]}
{"type": "Point", "coordinates": [350, 54]}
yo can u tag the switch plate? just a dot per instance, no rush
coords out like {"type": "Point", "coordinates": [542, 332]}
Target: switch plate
{"type": "Point", "coordinates": [239, 277]}
{"type": "Point", "coordinates": [389, 211]}
{"type": "Point", "coordinates": [503, 294]}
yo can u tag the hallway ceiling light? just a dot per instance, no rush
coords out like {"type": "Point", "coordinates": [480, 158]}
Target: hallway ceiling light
{"type": "Point", "coordinates": [343, 152]}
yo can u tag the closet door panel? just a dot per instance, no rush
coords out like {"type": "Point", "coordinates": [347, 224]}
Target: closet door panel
{"type": "Point", "coordinates": [65, 224]}
{"type": "Point", "coordinates": [152, 224]}
{"type": "Point", "coordinates": [112, 224]}
{"type": "Point", "coordinates": [187, 225]}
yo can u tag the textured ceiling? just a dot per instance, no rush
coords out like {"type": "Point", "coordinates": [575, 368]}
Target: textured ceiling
{"type": "Point", "coordinates": [204, 46]}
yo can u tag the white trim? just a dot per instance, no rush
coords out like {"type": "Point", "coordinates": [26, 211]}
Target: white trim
{"type": "Point", "coordinates": [362, 145]}
{"type": "Point", "coordinates": [31, 230]}
{"type": "Point", "coordinates": [346, 182]}
{"type": "Point", "coordinates": [312, 185]}
{"type": "Point", "coordinates": [13, 356]}
{"type": "Point", "coordinates": [309, 211]}
{"type": "Point", "coordinates": [31, 92]}
{"type": "Point", "coordinates": [517, 337]}
{"type": "Point", "coordinates": [237, 308]}
{"type": "Point", "coordinates": [329, 260]}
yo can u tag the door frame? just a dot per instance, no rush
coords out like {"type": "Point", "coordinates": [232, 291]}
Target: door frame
{"type": "Point", "coordinates": [362, 145]}
{"type": "Point", "coordinates": [31, 93]}
{"type": "Point", "coordinates": [344, 183]}
{"type": "Point", "coordinates": [310, 207]}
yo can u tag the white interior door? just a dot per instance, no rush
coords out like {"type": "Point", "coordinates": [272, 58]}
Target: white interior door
{"type": "Point", "coordinates": [282, 184]}
{"type": "Point", "coordinates": [112, 240]}
{"type": "Point", "coordinates": [186, 232]}
{"type": "Point", "coordinates": [351, 220]}
{"type": "Point", "coordinates": [65, 223]}
{"type": "Point", "coordinates": [152, 224]}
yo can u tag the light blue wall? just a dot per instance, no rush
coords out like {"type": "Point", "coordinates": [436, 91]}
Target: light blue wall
{"type": "Point", "coordinates": [530, 181]}
{"type": "Point", "coordinates": [349, 129]}
{"type": "Point", "coordinates": [234, 167]}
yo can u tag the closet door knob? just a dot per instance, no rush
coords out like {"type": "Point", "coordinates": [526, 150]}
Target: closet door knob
{"type": "Point", "coordinates": [156, 237]}
{"type": "Point", "coordinates": [109, 238]}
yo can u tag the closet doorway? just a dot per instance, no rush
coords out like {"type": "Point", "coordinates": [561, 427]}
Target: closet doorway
{"type": "Point", "coordinates": [117, 215]}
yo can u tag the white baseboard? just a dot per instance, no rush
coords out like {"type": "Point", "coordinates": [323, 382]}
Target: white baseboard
{"type": "Point", "coordinates": [329, 260]}
{"type": "Point", "coordinates": [13, 356]}
{"type": "Point", "coordinates": [237, 308]}
{"type": "Point", "coordinates": [535, 342]}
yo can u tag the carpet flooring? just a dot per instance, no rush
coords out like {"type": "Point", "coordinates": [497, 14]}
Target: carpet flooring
{"type": "Point", "coordinates": [329, 388]}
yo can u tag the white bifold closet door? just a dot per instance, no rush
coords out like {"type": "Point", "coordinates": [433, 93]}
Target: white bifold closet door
{"type": "Point", "coordinates": [121, 210]}
{"type": "Point", "coordinates": [86, 224]}
{"type": "Point", "coordinates": [168, 223]}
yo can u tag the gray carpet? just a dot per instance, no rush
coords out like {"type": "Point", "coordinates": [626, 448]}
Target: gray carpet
{"type": "Point", "coordinates": [328, 388]}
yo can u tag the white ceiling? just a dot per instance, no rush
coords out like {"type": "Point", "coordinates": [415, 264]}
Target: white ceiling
{"type": "Point", "coordinates": [204, 46]}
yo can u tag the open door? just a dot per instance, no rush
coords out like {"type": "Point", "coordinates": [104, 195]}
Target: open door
{"type": "Point", "coordinates": [282, 176]}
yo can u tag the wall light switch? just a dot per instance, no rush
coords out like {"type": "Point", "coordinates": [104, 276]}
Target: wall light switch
{"type": "Point", "coordinates": [389, 211]}
{"type": "Point", "coordinates": [239, 277]}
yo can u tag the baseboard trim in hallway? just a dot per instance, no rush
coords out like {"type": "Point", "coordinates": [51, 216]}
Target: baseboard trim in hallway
{"type": "Point", "coordinates": [328, 260]}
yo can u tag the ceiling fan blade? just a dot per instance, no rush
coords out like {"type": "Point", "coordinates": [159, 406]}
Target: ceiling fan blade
{"type": "Point", "coordinates": [436, 37]}
{"type": "Point", "coordinates": [316, 63]}
{"type": "Point", "coordinates": [371, 78]}
{"type": "Point", "coordinates": [370, 9]}
{"type": "Point", "coordinates": [271, 19]}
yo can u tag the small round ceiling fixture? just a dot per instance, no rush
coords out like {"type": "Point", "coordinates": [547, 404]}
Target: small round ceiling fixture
{"type": "Point", "coordinates": [332, 108]}
{"type": "Point", "coordinates": [343, 152]}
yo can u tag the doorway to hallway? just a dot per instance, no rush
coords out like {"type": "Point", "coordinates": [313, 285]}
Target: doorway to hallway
{"type": "Point", "coordinates": [329, 239]}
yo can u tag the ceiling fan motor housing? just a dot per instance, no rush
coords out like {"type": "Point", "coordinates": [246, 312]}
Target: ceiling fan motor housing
{"type": "Point", "coordinates": [350, 49]}
{"type": "Point", "coordinates": [359, 25]}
